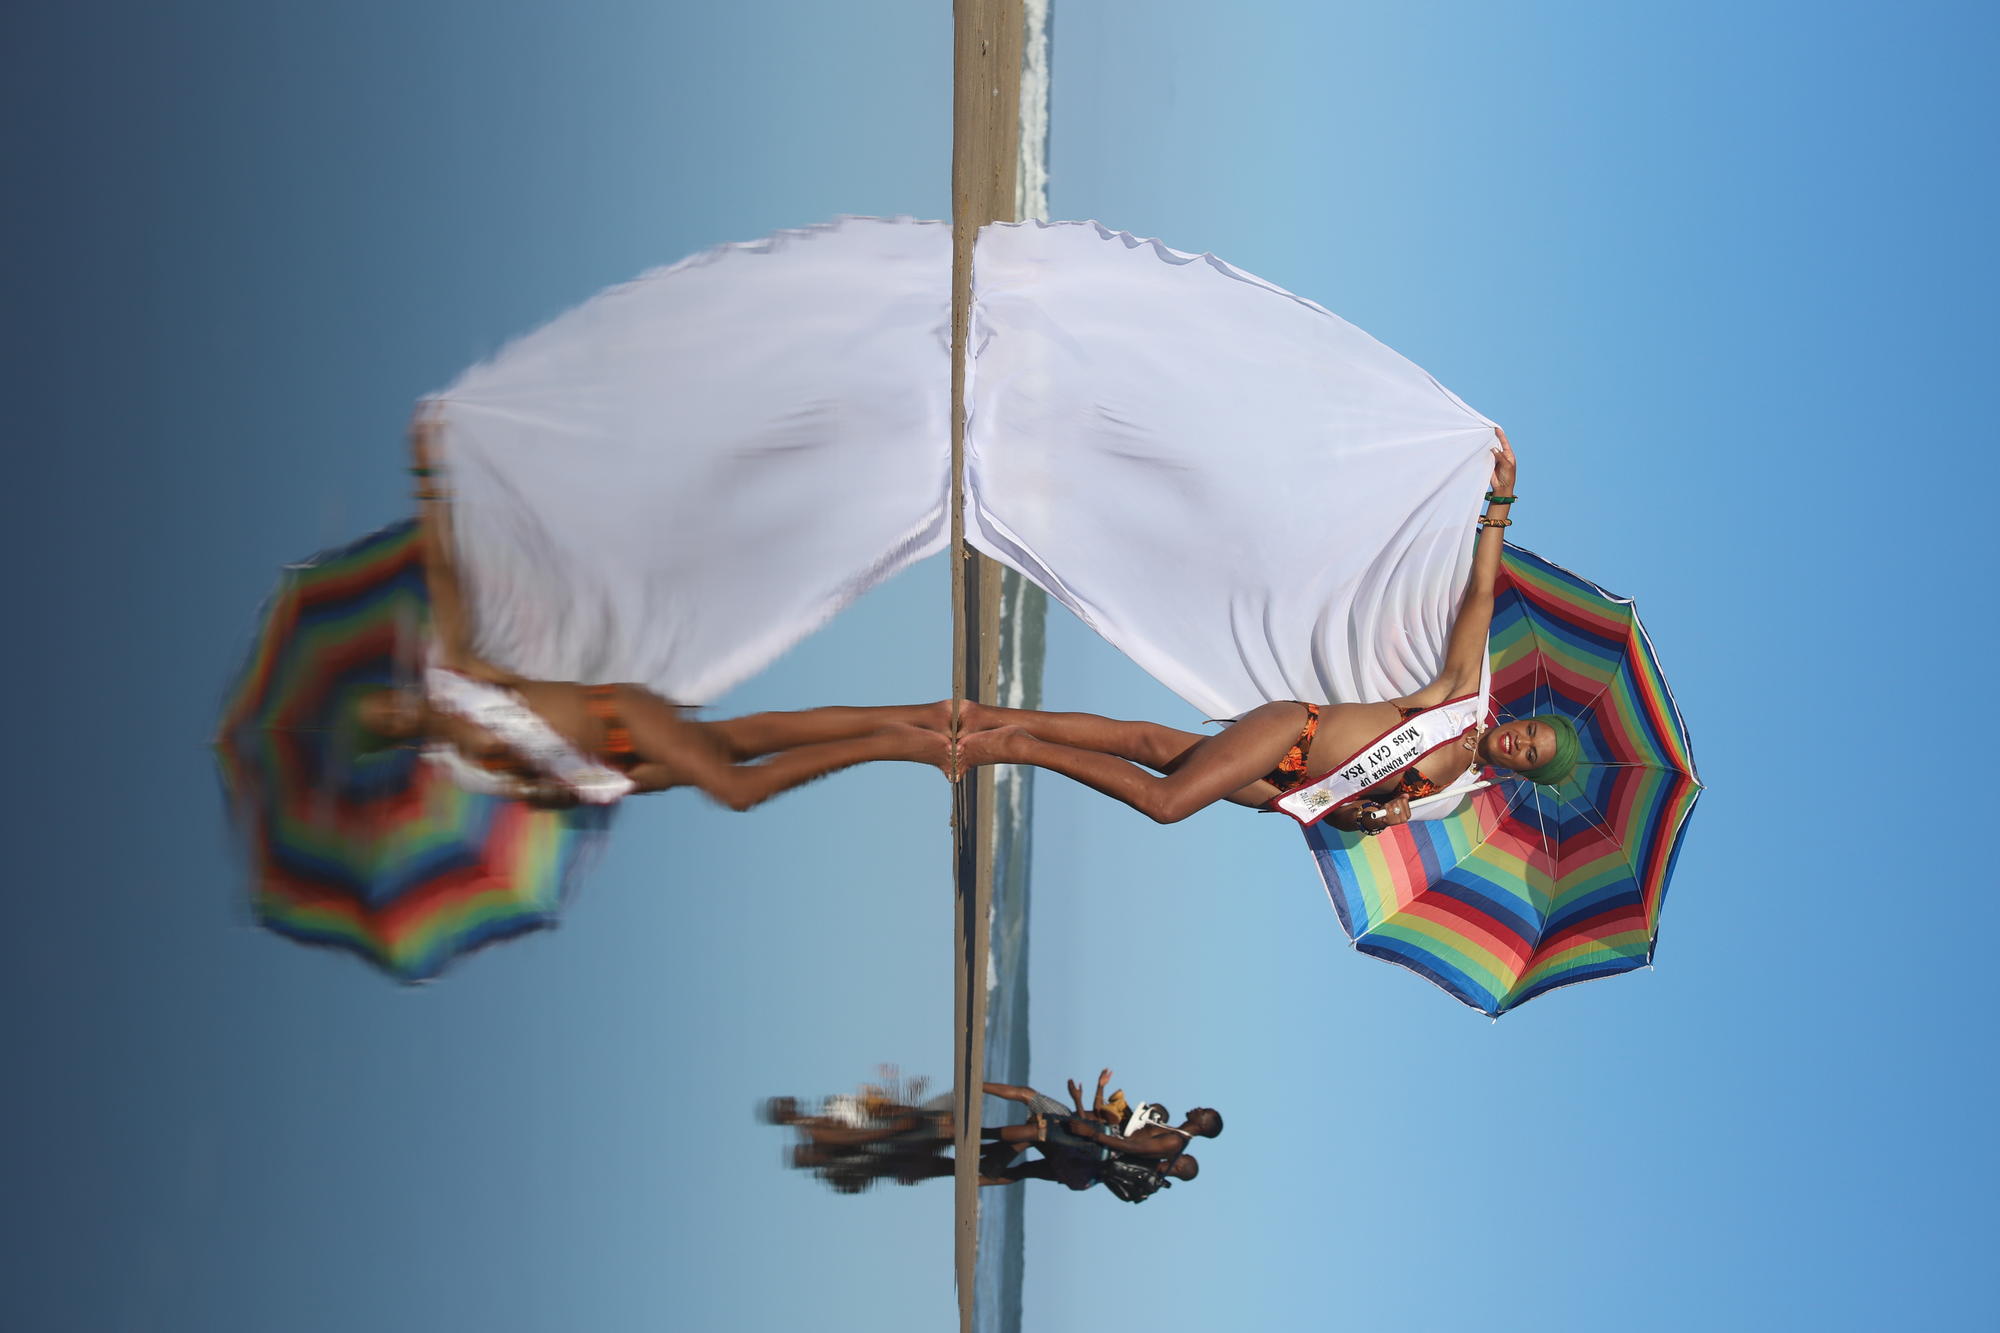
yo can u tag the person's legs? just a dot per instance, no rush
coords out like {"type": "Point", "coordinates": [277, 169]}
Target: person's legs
{"type": "Point", "coordinates": [1149, 743]}
{"type": "Point", "coordinates": [742, 786]}
{"type": "Point", "coordinates": [1228, 765]}
{"type": "Point", "coordinates": [830, 1134]}
{"type": "Point", "coordinates": [698, 757]}
{"type": "Point", "coordinates": [1030, 1170]}
{"type": "Point", "coordinates": [757, 734]}
{"type": "Point", "coordinates": [1016, 1135]}
{"type": "Point", "coordinates": [993, 1153]}
{"type": "Point", "coordinates": [909, 1172]}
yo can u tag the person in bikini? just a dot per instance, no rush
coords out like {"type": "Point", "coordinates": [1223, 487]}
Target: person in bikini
{"type": "Point", "coordinates": [1286, 747]}
{"type": "Point", "coordinates": [558, 743]}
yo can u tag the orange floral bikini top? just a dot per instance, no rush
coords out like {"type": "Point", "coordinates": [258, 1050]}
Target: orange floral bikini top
{"type": "Point", "coordinates": [618, 750]}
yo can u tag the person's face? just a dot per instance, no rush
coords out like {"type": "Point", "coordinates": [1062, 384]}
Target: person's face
{"type": "Point", "coordinates": [395, 714]}
{"type": "Point", "coordinates": [1518, 746]}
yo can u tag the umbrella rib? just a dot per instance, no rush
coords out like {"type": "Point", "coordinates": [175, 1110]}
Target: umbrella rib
{"type": "Point", "coordinates": [1632, 871]}
{"type": "Point", "coordinates": [1625, 656]}
{"type": "Point", "coordinates": [1542, 685]}
{"type": "Point", "coordinates": [1555, 879]}
{"type": "Point", "coordinates": [1624, 855]}
{"type": "Point", "coordinates": [1636, 642]}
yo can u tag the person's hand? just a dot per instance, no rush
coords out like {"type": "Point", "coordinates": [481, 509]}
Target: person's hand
{"type": "Point", "coordinates": [1373, 817]}
{"type": "Point", "coordinates": [1041, 1127]}
{"type": "Point", "coordinates": [1103, 1080]}
{"type": "Point", "coordinates": [1503, 465]}
{"type": "Point", "coordinates": [425, 424]}
{"type": "Point", "coordinates": [550, 795]}
{"type": "Point", "coordinates": [1075, 1091]}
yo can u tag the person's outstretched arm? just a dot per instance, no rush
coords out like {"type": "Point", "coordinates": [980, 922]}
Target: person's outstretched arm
{"type": "Point", "coordinates": [1010, 1092]}
{"type": "Point", "coordinates": [1160, 1142]}
{"type": "Point", "coordinates": [1465, 650]}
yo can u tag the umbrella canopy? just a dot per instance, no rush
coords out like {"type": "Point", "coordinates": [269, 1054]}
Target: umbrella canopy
{"type": "Point", "coordinates": [1527, 888]}
{"type": "Point", "coordinates": [369, 848]}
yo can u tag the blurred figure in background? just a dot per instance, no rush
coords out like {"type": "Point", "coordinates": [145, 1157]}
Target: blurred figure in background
{"type": "Point", "coordinates": [883, 1130]}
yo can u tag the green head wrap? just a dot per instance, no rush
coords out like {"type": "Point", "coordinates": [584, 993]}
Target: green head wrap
{"type": "Point", "coordinates": [1569, 750]}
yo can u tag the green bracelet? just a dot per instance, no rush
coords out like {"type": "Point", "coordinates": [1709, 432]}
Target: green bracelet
{"type": "Point", "coordinates": [1493, 499]}
{"type": "Point", "coordinates": [417, 470]}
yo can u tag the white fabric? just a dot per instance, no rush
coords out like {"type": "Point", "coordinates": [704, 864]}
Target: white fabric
{"type": "Point", "coordinates": [1247, 495]}
{"type": "Point", "coordinates": [676, 481]}
{"type": "Point", "coordinates": [1409, 741]}
{"type": "Point", "coordinates": [682, 477]}
{"type": "Point", "coordinates": [508, 718]}
{"type": "Point", "coordinates": [848, 1109]}
{"type": "Point", "coordinates": [1446, 800]}
{"type": "Point", "coordinates": [468, 776]}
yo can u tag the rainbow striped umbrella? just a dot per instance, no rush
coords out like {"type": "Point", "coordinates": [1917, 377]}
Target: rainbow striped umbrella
{"type": "Point", "coordinates": [1527, 888]}
{"type": "Point", "coordinates": [370, 849]}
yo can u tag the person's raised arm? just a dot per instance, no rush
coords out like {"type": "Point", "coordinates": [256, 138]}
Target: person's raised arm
{"type": "Point", "coordinates": [1465, 650]}
{"type": "Point", "coordinates": [449, 621]}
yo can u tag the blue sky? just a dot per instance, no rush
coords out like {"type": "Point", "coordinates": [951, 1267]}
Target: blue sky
{"type": "Point", "coordinates": [1715, 269]}
{"type": "Point", "coordinates": [1722, 272]}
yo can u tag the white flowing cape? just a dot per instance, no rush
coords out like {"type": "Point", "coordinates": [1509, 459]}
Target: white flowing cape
{"type": "Point", "coordinates": [1247, 495]}
{"type": "Point", "coordinates": [679, 479]}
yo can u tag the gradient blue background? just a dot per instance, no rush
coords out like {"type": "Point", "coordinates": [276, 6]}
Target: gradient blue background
{"type": "Point", "coordinates": [1722, 270]}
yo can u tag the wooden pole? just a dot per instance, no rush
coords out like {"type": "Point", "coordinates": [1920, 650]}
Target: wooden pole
{"type": "Point", "coordinates": [985, 143]}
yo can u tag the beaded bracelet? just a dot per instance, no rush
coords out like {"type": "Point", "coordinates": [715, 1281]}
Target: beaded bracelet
{"type": "Point", "coordinates": [1486, 522]}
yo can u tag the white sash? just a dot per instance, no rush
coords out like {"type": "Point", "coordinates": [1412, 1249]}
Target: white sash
{"type": "Point", "coordinates": [1388, 754]}
{"type": "Point", "coordinates": [468, 776]}
{"type": "Point", "coordinates": [502, 712]}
